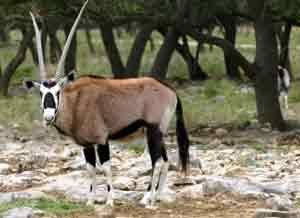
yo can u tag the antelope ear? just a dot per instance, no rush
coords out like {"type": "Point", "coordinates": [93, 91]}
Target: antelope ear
{"type": "Point", "coordinates": [29, 84]}
{"type": "Point", "coordinates": [67, 79]}
{"type": "Point", "coordinates": [71, 76]}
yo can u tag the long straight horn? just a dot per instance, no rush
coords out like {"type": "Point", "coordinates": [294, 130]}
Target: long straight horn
{"type": "Point", "coordinates": [38, 36]}
{"type": "Point", "coordinates": [60, 65]}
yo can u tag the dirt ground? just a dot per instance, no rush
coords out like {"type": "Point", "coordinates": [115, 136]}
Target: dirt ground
{"type": "Point", "coordinates": [219, 206]}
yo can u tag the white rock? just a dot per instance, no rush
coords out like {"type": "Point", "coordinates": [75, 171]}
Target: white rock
{"type": "Point", "coordinates": [4, 168]}
{"type": "Point", "coordinates": [279, 203]}
{"type": "Point", "coordinates": [220, 132]}
{"type": "Point", "coordinates": [124, 183]}
{"type": "Point", "coordinates": [23, 212]}
{"type": "Point", "coordinates": [167, 196]}
{"type": "Point", "coordinates": [192, 192]}
{"type": "Point", "coordinates": [263, 213]}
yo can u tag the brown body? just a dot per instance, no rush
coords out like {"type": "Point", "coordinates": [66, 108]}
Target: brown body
{"type": "Point", "coordinates": [92, 108]}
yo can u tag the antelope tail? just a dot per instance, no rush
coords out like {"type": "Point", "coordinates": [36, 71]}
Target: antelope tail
{"type": "Point", "coordinates": [182, 138]}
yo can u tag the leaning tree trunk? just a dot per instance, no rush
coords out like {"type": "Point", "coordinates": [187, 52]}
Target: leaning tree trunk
{"type": "Point", "coordinates": [15, 62]}
{"type": "Point", "coordinates": [267, 103]}
{"type": "Point", "coordinates": [112, 51]}
{"type": "Point", "coordinates": [137, 50]}
{"type": "Point", "coordinates": [195, 70]}
{"type": "Point", "coordinates": [33, 52]}
{"type": "Point", "coordinates": [229, 24]}
{"type": "Point", "coordinates": [90, 41]}
{"type": "Point", "coordinates": [55, 47]}
{"type": "Point", "coordinates": [163, 57]}
{"type": "Point", "coordinates": [70, 63]}
{"type": "Point", "coordinates": [4, 36]}
{"type": "Point", "coordinates": [44, 39]}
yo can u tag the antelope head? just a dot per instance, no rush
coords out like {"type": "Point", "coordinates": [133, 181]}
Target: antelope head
{"type": "Point", "coordinates": [50, 89]}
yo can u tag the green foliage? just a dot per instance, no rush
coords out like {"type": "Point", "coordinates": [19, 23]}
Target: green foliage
{"type": "Point", "coordinates": [21, 110]}
{"type": "Point", "coordinates": [54, 207]}
{"type": "Point", "coordinates": [137, 148]}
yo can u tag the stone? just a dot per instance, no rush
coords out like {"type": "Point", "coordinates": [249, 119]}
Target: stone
{"type": "Point", "coordinates": [4, 168]}
{"type": "Point", "coordinates": [277, 202]}
{"type": "Point", "coordinates": [214, 185]}
{"type": "Point", "coordinates": [129, 196]}
{"type": "Point", "coordinates": [23, 212]}
{"type": "Point", "coordinates": [167, 196]}
{"type": "Point", "coordinates": [265, 213]}
{"type": "Point", "coordinates": [191, 192]}
{"type": "Point", "coordinates": [104, 211]}
{"type": "Point", "coordinates": [220, 132]}
{"type": "Point", "coordinates": [124, 183]}
{"type": "Point", "coordinates": [6, 198]}
{"type": "Point", "coordinates": [142, 183]}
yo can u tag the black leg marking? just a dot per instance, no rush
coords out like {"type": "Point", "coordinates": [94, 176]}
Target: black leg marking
{"type": "Point", "coordinates": [108, 188]}
{"type": "Point", "coordinates": [91, 188]}
{"type": "Point", "coordinates": [89, 154]}
{"type": "Point", "coordinates": [103, 153]}
{"type": "Point", "coordinates": [156, 144]}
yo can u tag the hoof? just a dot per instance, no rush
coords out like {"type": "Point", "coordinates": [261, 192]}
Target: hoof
{"type": "Point", "coordinates": [151, 207]}
{"type": "Point", "coordinates": [90, 202]}
{"type": "Point", "coordinates": [146, 199]}
{"type": "Point", "coordinates": [110, 203]}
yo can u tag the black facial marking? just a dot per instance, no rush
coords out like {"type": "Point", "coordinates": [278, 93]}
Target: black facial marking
{"type": "Point", "coordinates": [49, 101]}
{"type": "Point", "coordinates": [131, 128]}
{"type": "Point", "coordinates": [49, 83]}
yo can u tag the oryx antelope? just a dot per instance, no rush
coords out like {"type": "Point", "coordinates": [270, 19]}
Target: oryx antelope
{"type": "Point", "coordinates": [94, 110]}
{"type": "Point", "coordinates": [284, 83]}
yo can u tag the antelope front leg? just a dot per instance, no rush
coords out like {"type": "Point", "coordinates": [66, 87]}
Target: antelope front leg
{"type": "Point", "coordinates": [89, 156]}
{"type": "Point", "coordinates": [103, 159]}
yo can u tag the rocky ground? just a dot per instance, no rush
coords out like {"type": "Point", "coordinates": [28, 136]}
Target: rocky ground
{"type": "Point", "coordinates": [234, 172]}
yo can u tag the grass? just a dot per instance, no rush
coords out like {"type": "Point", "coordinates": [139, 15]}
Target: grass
{"type": "Point", "coordinates": [53, 207]}
{"type": "Point", "coordinates": [214, 101]}
{"type": "Point", "coordinates": [136, 148]}
{"type": "Point", "coordinates": [20, 111]}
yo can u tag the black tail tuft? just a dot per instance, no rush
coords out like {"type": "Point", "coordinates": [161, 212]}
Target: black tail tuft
{"type": "Point", "coordinates": [182, 137]}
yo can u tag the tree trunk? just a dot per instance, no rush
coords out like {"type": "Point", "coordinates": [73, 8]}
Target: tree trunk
{"type": "Point", "coordinates": [90, 41]}
{"type": "Point", "coordinates": [163, 57]}
{"type": "Point", "coordinates": [4, 37]}
{"type": "Point", "coordinates": [137, 50]}
{"type": "Point", "coordinates": [229, 24]}
{"type": "Point", "coordinates": [268, 108]}
{"type": "Point", "coordinates": [112, 51]}
{"type": "Point", "coordinates": [33, 52]}
{"type": "Point", "coordinates": [195, 70]}
{"type": "Point", "coordinates": [15, 62]}
{"type": "Point", "coordinates": [70, 63]}
{"type": "Point", "coordinates": [44, 39]}
{"type": "Point", "coordinates": [55, 48]}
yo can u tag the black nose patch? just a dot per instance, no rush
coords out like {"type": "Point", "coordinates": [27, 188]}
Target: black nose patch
{"type": "Point", "coordinates": [49, 83]}
{"type": "Point", "coordinates": [49, 101]}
